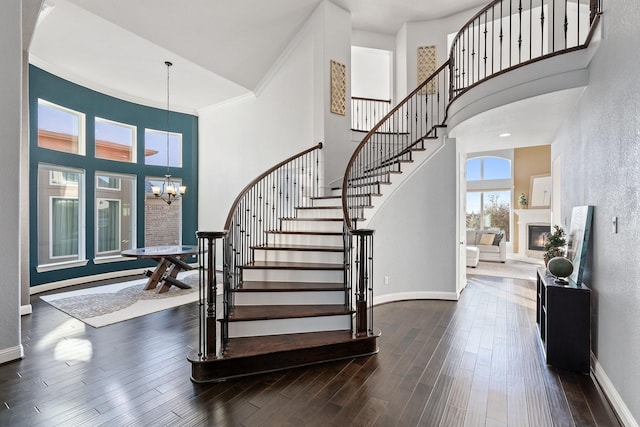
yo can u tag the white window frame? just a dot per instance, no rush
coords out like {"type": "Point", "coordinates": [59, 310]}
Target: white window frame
{"type": "Point", "coordinates": [82, 126]}
{"type": "Point", "coordinates": [111, 256]}
{"type": "Point", "coordinates": [134, 150]}
{"type": "Point", "coordinates": [164, 133]}
{"type": "Point", "coordinates": [96, 237]}
{"type": "Point", "coordinates": [52, 180]}
{"type": "Point", "coordinates": [74, 257]}
{"type": "Point", "coordinates": [81, 258]}
{"type": "Point", "coordinates": [118, 188]}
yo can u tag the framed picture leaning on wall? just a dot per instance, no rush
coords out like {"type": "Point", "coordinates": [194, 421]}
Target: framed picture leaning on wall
{"type": "Point", "coordinates": [578, 237]}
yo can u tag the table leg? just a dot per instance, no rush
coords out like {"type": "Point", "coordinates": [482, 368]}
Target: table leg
{"type": "Point", "coordinates": [157, 274]}
{"type": "Point", "coordinates": [174, 269]}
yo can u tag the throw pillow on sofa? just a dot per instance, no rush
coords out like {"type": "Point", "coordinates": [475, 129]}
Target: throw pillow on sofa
{"type": "Point", "coordinates": [497, 239]}
{"type": "Point", "coordinates": [487, 239]}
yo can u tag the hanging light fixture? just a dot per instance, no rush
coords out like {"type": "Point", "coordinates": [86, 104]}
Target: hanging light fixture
{"type": "Point", "coordinates": [170, 191]}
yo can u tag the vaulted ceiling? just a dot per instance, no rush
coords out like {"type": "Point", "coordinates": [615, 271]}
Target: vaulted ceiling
{"type": "Point", "coordinates": [220, 49]}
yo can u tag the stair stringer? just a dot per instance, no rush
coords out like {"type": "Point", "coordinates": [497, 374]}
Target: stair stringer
{"type": "Point", "coordinates": [420, 158]}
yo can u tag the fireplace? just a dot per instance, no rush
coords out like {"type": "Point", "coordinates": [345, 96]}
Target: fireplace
{"type": "Point", "coordinates": [537, 236]}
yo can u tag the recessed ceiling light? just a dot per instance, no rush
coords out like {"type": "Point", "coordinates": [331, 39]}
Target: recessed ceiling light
{"type": "Point", "coordinates": [504, 135]}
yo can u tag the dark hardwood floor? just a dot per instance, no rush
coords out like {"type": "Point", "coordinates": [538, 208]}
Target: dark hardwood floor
{"type": "Point", "coordinates": [475, 362]}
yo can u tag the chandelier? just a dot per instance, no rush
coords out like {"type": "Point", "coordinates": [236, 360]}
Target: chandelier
{"type": "Point", "coordinates": [170, 191]}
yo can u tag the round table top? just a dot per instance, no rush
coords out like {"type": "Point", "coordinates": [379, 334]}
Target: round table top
{"type": "Point", "coordinates": [160, 251]}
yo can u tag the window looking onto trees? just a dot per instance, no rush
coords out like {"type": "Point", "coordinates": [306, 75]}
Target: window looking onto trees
{"type": "Point", "coordinates": [489, 182]}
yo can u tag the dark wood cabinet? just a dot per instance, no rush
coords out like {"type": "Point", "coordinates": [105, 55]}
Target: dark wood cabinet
{"type": "Point", "coordinates": [563, 314]}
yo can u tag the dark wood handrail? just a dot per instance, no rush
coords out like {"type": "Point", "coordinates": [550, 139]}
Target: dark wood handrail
{"type": "Point", "coordinates": [474, 51]}
{"type": "Point", "coordinates": [474, 68]}
{"type": "Point", "coordinates": [371, 99]}
{"type": "Point", "coordinates": [234, 207]}
{"type": "Point", "coordinates": [585, 45]}
{"type": "Point", "coordinates": [365, 140]}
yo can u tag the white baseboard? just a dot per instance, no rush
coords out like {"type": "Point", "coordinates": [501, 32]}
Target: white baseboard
{"type": "Point", "coordinates": [10, 354]}
{"type": "Point", "coordinates": [610, 391]}
{"type": "Point", "coordinates": [403, 296]}
{"type": "Point", "coordinates": [25, 309]}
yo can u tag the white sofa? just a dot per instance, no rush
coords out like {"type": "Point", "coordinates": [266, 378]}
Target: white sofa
{"type": "Point", "coordinates": [490, 247]}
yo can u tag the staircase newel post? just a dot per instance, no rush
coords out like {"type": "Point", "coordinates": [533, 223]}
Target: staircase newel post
{"type": "Point", "coordinates": [208, 292]}
{"type": "Point", "coordinates": [364, 274]}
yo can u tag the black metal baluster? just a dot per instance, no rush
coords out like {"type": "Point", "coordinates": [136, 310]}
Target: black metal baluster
{"type": "Point", "coordinates": [510, 32]}
{"type": "Point", "coordinates": [493, 36]}
{"type": "Point", "coordinates": [553, 30]}
{"type": "Point", "coordinates": [530, 29]}
{"type": "Point", "coordinates": [486, 31]}
{"type": "Point", "coordinates": [501, 34]}
{"type": "Point", "coordinates": [520, 32]}
{"type": "Point", "coordinates": [473, 51]}
{"type": "Point", "coordinates": [566, 24]}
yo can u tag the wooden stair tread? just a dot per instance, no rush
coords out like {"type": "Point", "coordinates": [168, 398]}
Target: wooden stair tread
{"type": "Point", "coordinates": [252, 355]}
{"type": "Point", "coordinates": [259, 286]}
{"type": "Point", "coordinates": [313, 233]}
{"type": "Point", "coordinates": [326, 197]}
{"type": "Point", "coordinates": [242, 313]}
{"type": "Point", "coordinates": [284, 265]}
{"type": "Point", "coordinates": [249, 346]}
{"type": "Point", "coordinates": [306, 248]}
{"type": "Point", "coordinates": [313, 219]}
{"type": "Point", "coordinates": [319, 207]}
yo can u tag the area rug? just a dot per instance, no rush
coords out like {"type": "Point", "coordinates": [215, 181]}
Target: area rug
{"type": "Point", "coordinates": [104, 305]}
{"type": "Point", "coordinates": [511, 268]}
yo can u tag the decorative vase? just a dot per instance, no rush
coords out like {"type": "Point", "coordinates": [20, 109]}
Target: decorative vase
{"type": "Point", "coordinates": [561, 268]}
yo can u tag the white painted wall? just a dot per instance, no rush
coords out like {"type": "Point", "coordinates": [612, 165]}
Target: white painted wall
{"type": "Point", "coordinates": [371, 72]}
{"type": "Point", "coordinates": [291, 112]}
{"type": "Point", "coordinates": [599, 151]}
{"type": "Point", "coordinates": [425, 33]}
{"type": "Point", "coordinates": [241, 140]}
{"type": "Point", "coordinates": [336, 45]}
{"type": "Point", "coordinates": [415, 234]}
{"type": "Point", "coordinates": [10, 129]}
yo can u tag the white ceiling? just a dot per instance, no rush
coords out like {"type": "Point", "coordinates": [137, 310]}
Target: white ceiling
{"type": "Point", "coordinates": [530, 122]}
{"type": "Point", "coordinates": [221, 49]}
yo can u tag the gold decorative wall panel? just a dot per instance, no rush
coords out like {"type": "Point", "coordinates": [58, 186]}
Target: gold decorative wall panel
{"type": "Point", "coordinates": [427, 66]}
{"type": "Point", "coordinates": [338, 88]}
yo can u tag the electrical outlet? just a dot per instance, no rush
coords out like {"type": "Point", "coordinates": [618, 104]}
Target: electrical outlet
{"type": "Point", "coordinates": [386, 280]}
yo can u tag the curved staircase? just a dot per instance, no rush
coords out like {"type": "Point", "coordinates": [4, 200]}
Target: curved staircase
{"type": "Point", "coordinates": [297, 264]}
{"type": "Point", "coordinates": [287, 296]}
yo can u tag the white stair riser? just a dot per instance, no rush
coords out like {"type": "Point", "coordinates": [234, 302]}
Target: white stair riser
{"type": "Point", "coordinates": [371, 188]}
{"type": "Point", "coordinates": [299, 256]}
{"type": "Point", "coordinates": [306, 239]}
{"type": "Point", "coordinates": [289, 326]}
{"type": "Point", "coordinates": [312, 225]}
{"type": "Point", "coordinates": [383, 177]}
{"type": "Point", "coordinates": [289, 298]}
{"type": "Point", "coordinates": [313, 276]}
{"type": "Point", "coordinates": [319, 213]}
{"type": "Point", "coordinates": [358, 199]}
{"type": "Point", "coordinates": [327, 202]}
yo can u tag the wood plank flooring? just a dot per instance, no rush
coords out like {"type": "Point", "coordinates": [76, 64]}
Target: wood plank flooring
{"type": "Point", "coordinates": [475, 362]}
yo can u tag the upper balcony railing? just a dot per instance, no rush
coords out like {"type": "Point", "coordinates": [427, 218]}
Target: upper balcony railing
{"type": "Point", "coordinates": [366, 112]}
{"type": "Point", "coordinates": [504, 35]}
{"type": "Point", "coordinates": [508, 33]}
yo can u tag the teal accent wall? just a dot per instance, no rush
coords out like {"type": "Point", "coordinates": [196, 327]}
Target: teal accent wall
{"type": "Point", "coordinates": [93, 104]}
